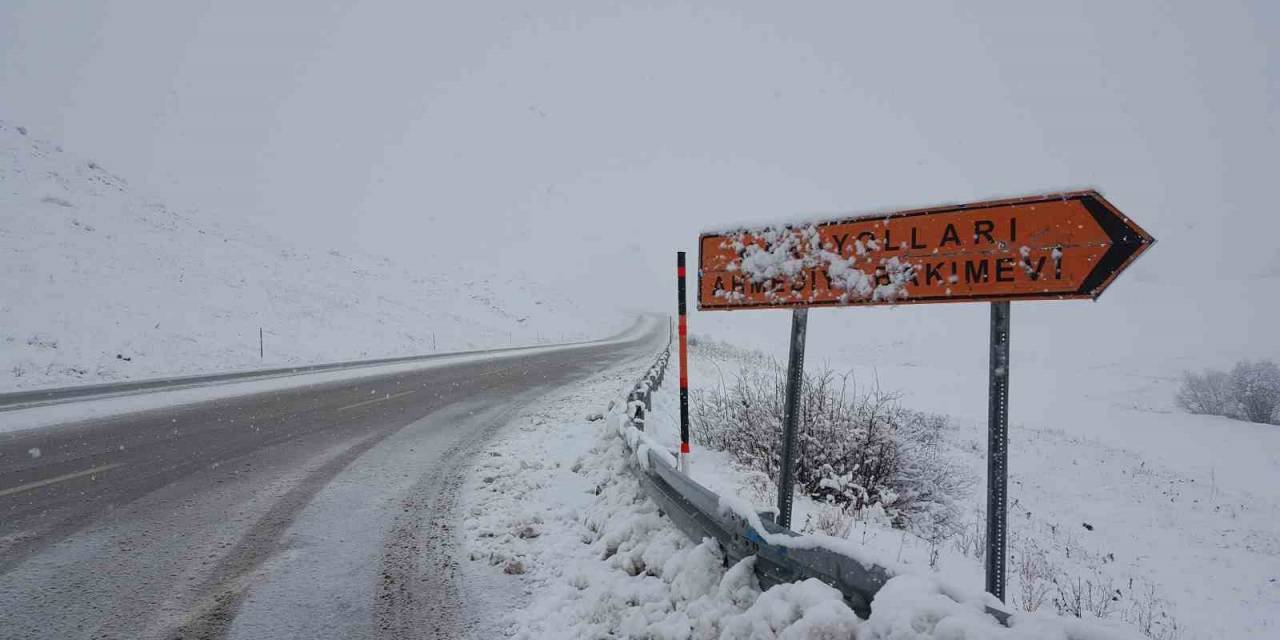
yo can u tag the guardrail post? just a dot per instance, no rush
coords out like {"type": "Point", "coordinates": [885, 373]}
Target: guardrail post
{"type": "Point", "coordinates": [636, 408]}
{"type": "Point", "coordinates": [791, 414]}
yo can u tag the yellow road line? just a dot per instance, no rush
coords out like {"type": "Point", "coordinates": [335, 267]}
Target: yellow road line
{"type": "Point", "coordinates": [69, 476]}
{"type": "Point", "coordinates": [382, 399]}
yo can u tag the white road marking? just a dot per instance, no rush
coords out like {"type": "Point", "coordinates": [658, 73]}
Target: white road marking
{"type": "Point", "coordinates": [382, 399]}
{"type": "Point", "coordinates": [69, 476]}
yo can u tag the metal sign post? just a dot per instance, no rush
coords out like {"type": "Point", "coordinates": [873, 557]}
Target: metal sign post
{"type": "Point", "coordinates": [684, 367]}
{"type": "Point", "coordinates": [998, 451]}
{"type": "Point", "coordinates": [791, 414]}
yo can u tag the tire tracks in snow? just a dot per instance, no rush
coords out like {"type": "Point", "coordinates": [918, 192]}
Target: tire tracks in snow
{"type": "Point", "coordinates": [418, 594]}
{"type": "Point", "coordinates": [224, 590]}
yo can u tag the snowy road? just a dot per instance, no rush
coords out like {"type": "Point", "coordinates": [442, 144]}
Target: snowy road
{"type": "Point", "coordinates": [321, 511]}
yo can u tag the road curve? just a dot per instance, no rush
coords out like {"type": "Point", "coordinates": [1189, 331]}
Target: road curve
{"type": "Point", "coordinates": [318, 511]}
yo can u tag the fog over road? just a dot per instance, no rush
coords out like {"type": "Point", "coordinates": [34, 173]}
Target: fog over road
{"type": "Point", "coordinates": [320, 511]}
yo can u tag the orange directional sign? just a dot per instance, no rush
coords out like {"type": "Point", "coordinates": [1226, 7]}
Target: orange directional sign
{"type": "Point", "coordinates": [1049, 247]}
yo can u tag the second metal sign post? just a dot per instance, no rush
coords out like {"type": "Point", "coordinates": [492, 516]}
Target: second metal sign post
{"type": "Point", "coordinates": [791, 414]}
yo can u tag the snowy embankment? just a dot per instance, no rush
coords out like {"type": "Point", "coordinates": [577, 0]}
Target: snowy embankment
{"type": "Point", "coordinates": [562, 538]}
{"type": "Point", "coordinates": [561, 534]}
{"type": "Point", "coordinates": [99, 284]}
{"type": "Point", "coordinates": [1100, 526]}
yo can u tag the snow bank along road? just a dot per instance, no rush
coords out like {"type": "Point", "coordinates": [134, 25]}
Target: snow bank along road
{"type": "Point", "coordinates": [318, 511]}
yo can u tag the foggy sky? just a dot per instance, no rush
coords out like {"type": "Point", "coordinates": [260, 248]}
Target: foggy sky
{"type": "Point", "coordinates": [588, 141]}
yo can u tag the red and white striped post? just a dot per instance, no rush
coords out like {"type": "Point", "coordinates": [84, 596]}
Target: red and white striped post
{"type": "Point", "coordinates": [684, 367]}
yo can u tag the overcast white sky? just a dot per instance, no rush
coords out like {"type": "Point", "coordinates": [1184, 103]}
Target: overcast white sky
{"type": "Point", "coordinates": [603, 136]}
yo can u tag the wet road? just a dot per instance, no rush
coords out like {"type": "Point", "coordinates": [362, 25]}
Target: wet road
{"type": "Point", "coordinates": [317, 511]}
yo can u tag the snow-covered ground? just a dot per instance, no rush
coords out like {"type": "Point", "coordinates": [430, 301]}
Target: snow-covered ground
{"type": "Point", "coordinates": [102, 284]}
{"type": "Point", "coordinates": [1167, 521]}
{"type": "Point", "coordinates": [563, 543]}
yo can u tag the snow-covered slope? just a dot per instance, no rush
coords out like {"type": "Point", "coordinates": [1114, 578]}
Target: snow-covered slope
{"type": "Point", "coordinates": [1111, 487]}
{"type": "Point", "coordinates": [97, 284]}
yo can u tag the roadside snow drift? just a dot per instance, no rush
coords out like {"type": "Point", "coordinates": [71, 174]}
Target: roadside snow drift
{"type": "Point", "coordinates": [563, 541]}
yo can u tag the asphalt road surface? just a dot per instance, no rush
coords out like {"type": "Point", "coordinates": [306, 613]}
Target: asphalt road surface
{"type": "Point", "coordinates": [322, 511]}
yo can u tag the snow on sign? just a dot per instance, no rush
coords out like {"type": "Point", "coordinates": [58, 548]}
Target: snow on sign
{"type": "Point", "coordinates": [1048, 247]}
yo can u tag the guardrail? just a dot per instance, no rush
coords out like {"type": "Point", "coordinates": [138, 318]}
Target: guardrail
{"type": "Point", "coordinates": [41, 397]}
{"type": "Point", "coordinates": [781, 554]}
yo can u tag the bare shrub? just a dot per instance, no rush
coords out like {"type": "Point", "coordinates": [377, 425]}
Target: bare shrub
{"type": "Point", "coordinates": [971, 539]}
{"type": "Point", "coordinates": [1034, 575]}
{"type": "Point", "coordinates": [1095, 595]}
{"type": "Point", "coordinates": [1255, 386]}
{"type": "Point", "coordinates": [1150, 613]}
{"type": "Point", "coordinates": [742, 419]}
{"type": "Point", "coordinates": [855, 449]}
{"type": "Point", "coordinates": [1088, 590]}
{"type": "Point", "coordinates": [1207, 393]}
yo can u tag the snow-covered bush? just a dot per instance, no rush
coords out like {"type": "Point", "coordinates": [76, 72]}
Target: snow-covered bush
{"type": "Point", "coordinates": [1250, 392]}
{"type": "Point", "coordinates": [1207, 393]}
{"type": "Point", "coordinates": [855, 448]}
{"type": "Point", "coordinates": [1255, 386]}
{"type": "Point", "coordinates": [833, 520]}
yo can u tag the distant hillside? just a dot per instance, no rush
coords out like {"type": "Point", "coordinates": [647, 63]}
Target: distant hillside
{"type": "Point", "coordinates": [97, 283]}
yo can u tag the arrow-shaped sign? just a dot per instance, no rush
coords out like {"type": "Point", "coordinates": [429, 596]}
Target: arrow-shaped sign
{"type": "Point", "coordinates": [1049, 247]}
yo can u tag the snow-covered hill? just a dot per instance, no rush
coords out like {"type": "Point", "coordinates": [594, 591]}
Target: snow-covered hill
{"type": "Point", "coordinates": [98, 283]}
